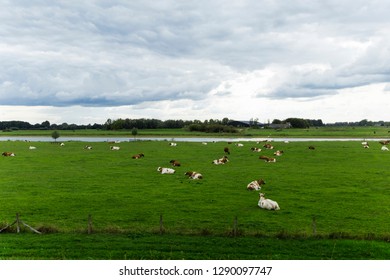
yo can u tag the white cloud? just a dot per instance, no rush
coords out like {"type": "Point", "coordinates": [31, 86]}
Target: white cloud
{"type": "Point", "coordinates": [126, 54]}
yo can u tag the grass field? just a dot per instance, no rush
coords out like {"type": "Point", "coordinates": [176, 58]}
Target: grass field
{"type": "Point", "coordinates": [338, 193]}
{"type": "Point", "coordinates": [325, 131]}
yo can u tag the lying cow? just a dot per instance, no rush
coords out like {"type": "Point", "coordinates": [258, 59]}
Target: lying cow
{"type": "Point", "coordinates": [278, 153]}
{"type": "Point", "coordinates": [268, 146]}
{"type": "Point", "coordinates": [8, 154]}
{"type": "Point", "coordinates": [222, 160]}
{"type": "Point", "coordinates": [267, 203]}
{"type": "Point", "coordinates": [114, 148]}
{"type": "Point", "coordinates": [137, 156]}
{"type": "Point", "coordinates": [193, 175]}
{"type": "Point", "coordinates": [255, 185]}
{"type": "Point", "coordinates": [267, 159]}
{"type": "Point", "coordinates": [165, 170]}
{"type": "Point", "coordinates": [257, 150]}
{"type": "Point", "coordinates": [175, 163]}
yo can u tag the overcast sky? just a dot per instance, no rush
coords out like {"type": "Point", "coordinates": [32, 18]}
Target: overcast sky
{"type": "Point", "coordinates": [86, 61]}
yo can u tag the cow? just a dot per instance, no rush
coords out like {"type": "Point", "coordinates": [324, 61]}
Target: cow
{"type": "Point", "coordinates": [87, 147]}
{"type": "Point", "coordinates": [240, 145]}
{"type": "Point", "coordinates": [312, 148]}
{"type": "Point", "coordinates": [173, 144]}
{"type": "Point", "coordinates": [226, 150]}
{"type": "Point", "coordinates": [385, 142]}
{"type": "Point", "coordinates": [62, 144]}
{"type": "Point", "coordinates": [267, 159]}
{"type": "Point", "coordinates": [267, 203]}
{"type": "Point", "coordinates": [278, 153]}
{"type": "Point", "coordinates": [255, 185]}
{"type": "Point", "coordinates": [165, 170]}
{"type": "Point", "coordinates": [8, 154]}
{"type": "Point", "coordinates": [114, 148]}
{"type": "Point", "coordinates": [32, 148]}
{"type": "Point", "coordinates": [222, 160]}
{"type": "Point", "coordinates": [384, 148]}
{"type": "Point", "coordinates": [257, 150]}
{"type": "Point", "coordinates": [268, 146]}
{"type": "Point", "coordinates": [137, 156]}
{"type": "Point", "coordinates": [193, 175]}
{"type": "Point", "coordinates": [175, 163]}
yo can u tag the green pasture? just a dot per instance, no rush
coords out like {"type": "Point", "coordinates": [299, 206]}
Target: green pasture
{"type": "Point", "coordinates": [337, 191]}
{"type": "Point", "coordinates": [325, 131]}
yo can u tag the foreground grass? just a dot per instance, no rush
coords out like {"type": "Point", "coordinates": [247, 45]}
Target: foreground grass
{"type": "Point", "coordinates": [173, 247]}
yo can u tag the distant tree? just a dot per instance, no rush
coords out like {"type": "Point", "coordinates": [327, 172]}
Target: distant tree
{"type": "Point", "coordinates": [55, 134]}
{"type": "Point", "coordinates": [45, 124]}
{"type": "Point", "coordinates": [276, 121]}
{"type": "Point", "coordinates": [298, 123]}
{"type": "Point", "coordinates": [134, 132]}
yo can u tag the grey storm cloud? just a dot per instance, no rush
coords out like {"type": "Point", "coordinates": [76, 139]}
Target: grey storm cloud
{"type": "Point", "coordinates": [111, 53]}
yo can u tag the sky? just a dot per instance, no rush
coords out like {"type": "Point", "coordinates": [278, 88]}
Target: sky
{"type": "Point", "coordinates": [85, 62]}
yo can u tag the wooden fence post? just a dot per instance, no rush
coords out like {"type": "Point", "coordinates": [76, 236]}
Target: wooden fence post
{"type": "Point", "coordinates": [17, 223]}
{"type": "Point", "coordinates": [314, 225]}
{"type": "Point", "coordinates": [161, 224]}
{"type": "Point", "coordinates": [235, 222]}
{"type": "Point", "coordinates": [89, 224]}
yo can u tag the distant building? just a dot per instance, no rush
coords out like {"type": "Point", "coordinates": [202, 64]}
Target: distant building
{"type": "Point", "coordinates": [243, 123]}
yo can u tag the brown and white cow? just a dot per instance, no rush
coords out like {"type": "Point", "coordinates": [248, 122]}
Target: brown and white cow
{"type": "Point", "coordinates": [278, 153]}
{"type": "Point", "coordinates": [222, 160]}
{"type": "Point", "coordinates": [268, 146]}
{"type": "Point", "coordinates": [166, 170]}
{"type": "Point", "coordinates": [255, 185]}
{"type": "Point", "coordinates": [175, 163]}
{"type": "Point", "coordinates": [193, 175]}
{"type": "Point", "coordinates": [8, 154]}
{"type": "Point", "coordinates": [137, 156]}
{"type": "Point", "coordinates": [267, 159]}
{"type": "Point", "coordinates": [267, 203]}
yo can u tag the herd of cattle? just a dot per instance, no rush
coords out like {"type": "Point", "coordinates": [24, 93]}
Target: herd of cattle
{"type": "Point", "coordinates": [254, 185]}
{"type": "Point", "coordinates": [263, 202]}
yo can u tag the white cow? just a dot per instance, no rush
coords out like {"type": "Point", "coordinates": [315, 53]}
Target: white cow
{"type": "Point", "coordinates": [384, 148]}
{"type": "Point", "coordinates": [165, 170]}
{"type": "Point", "coordinates": [32, 148]}
{"type": "Point", "coordinates": [267, 203]}
{"type": "Point", "coordinates": [114, 148]}
{"type": "Point", "coordinates": [173, 144]}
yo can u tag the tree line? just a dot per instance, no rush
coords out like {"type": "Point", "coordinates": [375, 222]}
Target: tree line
{"type": "Point", "coordinates": [211, 125]}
